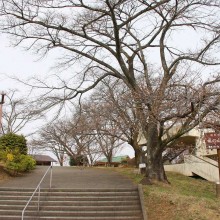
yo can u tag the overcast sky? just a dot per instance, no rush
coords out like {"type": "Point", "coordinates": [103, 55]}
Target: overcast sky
{"type": "Point", "coordinates": [20, 63]}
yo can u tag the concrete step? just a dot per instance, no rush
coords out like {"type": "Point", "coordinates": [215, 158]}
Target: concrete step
{"type": "Point", "coordinates": [90, 213]}
{"type": "Point", "coordinates": [71, 218]}
{"type": "Point", "coordinates": [93, 193]}
{"type": "Point", "coordinates": [24, 193]}
{"type": "Point", "coordinates": [70, 198]}
{"type": "Point", "coordinates": [73, 208]}
{"type": "Point", "coordinates": [59, 213]}
{"type": "Point", "coordinates": [69, 189]}
{"type": "Point", "coordinates": [31, 190]}
{"type": "Point", "coordinates": [74, 204]}
{"type": "Point", "coordinates": [92, 208]}
{"type": "Point", "coordinates": [71, 203]}
{"type": "Point", "coordinates": [93, 190]}
{"type": "Point", "coordinates": [16, 207]}
{"type": "Point", "coordinates": [92, 198]}
{"type": "Point", "coordinates": [10, 197]}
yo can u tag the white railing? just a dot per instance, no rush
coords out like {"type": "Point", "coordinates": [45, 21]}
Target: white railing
{"type": "Point", "coordinates": [39, 191]}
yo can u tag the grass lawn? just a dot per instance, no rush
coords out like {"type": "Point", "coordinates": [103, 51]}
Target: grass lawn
{"type": "Point", "coordinates": [185, 198]}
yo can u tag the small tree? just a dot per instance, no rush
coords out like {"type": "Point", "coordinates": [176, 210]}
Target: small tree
{"type": "Point", "coordinates": [13, 154]}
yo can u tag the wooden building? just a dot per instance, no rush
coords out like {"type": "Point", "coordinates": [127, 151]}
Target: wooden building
{"type": "Point", "coordinates": [43, 160]}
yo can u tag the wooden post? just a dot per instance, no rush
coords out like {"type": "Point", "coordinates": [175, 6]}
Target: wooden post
{"type": "Point", "coordinates": [218, 183]}
{"type": "Point", "coordinates": [218, 190]}
{"type": "Point", "coordinates": [1, 103]}
{"type": "Point", "coordinates": [1, 118]}
{"type": "Point", "coordinates": [218, 156]}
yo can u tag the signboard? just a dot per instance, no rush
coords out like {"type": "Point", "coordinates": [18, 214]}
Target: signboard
{"type": "Point", "coordinates": [212, 140]}
{"type": "Point", "coordinates": [142, 165]}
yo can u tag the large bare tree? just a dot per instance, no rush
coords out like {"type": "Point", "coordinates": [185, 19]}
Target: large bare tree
{"type": "Point", "coordinates": [126, 39]}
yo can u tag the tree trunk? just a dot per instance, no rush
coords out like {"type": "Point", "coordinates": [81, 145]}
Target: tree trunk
{"type": "Point", "coordinates": [109, 159]}
{"type": "Point", "coordinates": [138, 155]}
{"type": "Point", "coordinates": [61, 159]}
{"type": "Point", "coordinates": [137, 151]}
{"type": "Point", "coordinates": [154, 167]}
{"type": "Point", "coordinates": [154, 161]}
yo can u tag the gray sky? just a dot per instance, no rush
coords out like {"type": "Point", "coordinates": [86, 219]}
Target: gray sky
{"type": "Point", "coordinates": [20, 63]}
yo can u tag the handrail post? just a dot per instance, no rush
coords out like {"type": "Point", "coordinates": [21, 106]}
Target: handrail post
{"type": "Point", "coordinates": [22, 216]}
{"type": "Point", "coordinates": [51, 175]}
{"type": "Point", "coordinates": [38, 204]}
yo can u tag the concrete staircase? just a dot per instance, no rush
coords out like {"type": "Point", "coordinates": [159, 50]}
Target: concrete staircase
{"type": "Point", "coordinates": [203, 166]}
{"type": "Point", "coordinates": [74, 204]}
{"type": "Point", "coordinates": [194, 165]}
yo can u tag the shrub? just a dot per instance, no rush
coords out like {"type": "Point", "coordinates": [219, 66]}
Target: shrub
{"type": "Point", "coordinates": [13, 154]}
{"type": "Point", "coordinates": [12, 141]}
{"type": "Point", "coordinates": [72, 162]}
{"type": "Point", "coordinates": [78, 160]}
{"type": "Point", "coordinates": [14, 162]}
{"type": "Point", "coordinates": [27, 163]}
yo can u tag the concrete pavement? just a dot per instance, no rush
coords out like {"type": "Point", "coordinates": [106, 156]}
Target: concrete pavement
{"type": "Point", "coordinates": [71, 177]}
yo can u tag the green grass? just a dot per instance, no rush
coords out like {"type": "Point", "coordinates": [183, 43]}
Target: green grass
{"type": "Point", "coordinates": [185, 198]}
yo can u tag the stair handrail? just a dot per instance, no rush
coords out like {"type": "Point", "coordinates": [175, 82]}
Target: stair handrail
{"type": "Point", "coordinates": [38, 188]}
{"type": "Point", "coordinates": [200, 158]}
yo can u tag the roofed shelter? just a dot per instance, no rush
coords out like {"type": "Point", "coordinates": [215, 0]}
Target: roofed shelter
{"type": "Point", "coordinates": [116, 161]}
{"type": "Point", "coordinates": [43, 160]}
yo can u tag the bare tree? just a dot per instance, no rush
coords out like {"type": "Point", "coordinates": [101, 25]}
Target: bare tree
{"type": "Point", "coordinates": [18, 112]}
{"type": "Point", "coordinates": [92, 152]}
{"type": "Point", "coordinates": [104, 132]}
{"type": "Point", "coordinates": [118, 38]}
{"type": "Point", "coordinates": [67, 136]}
{"type": "Point", "coordinates": [107, 136]}
{"type": "Point", "coordinates": [54, 137]}
{"type": "Point", "coordinates": [109, 145]}
{"type": "Point", "coordinates": [113, 102]}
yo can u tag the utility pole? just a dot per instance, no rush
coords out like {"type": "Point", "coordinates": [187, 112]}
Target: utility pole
{"type": "Point", "coordinates": [1, 104]}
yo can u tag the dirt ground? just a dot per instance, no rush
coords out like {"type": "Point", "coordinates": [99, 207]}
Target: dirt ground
{"type": "Point", "coordinates": [3, 176]}
{"type": "Point", "coordinates": [167, 208]}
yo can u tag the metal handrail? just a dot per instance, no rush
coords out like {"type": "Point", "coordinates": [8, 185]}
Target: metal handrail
{"type": "Point", "coordinates": [38, 188]}
{"type": "Point", "coordinates": [200, 158]}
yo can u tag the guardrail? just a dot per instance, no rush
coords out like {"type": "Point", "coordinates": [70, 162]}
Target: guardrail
{"type": "Point", "coordinates": [39, 191]}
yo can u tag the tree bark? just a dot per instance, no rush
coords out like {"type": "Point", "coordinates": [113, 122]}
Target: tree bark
{"type": "Point", "coordinates": [138, 154]}
{"type": "Point", "coordinates": [137, 151]}
{"type": "Point", "coordinates": [109, 159]}
{"type": "Point", "coordinates": [154, 160]}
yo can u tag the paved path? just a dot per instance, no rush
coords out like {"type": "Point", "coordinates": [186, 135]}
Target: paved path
{"type": "Point", "coordinates": [71, 177]}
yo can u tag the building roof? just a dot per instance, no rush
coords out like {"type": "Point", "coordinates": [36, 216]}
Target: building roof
{"type": "Point", "coordinates": [117, 159]}
{"type": "Point", "coordinates": [43, 158]}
